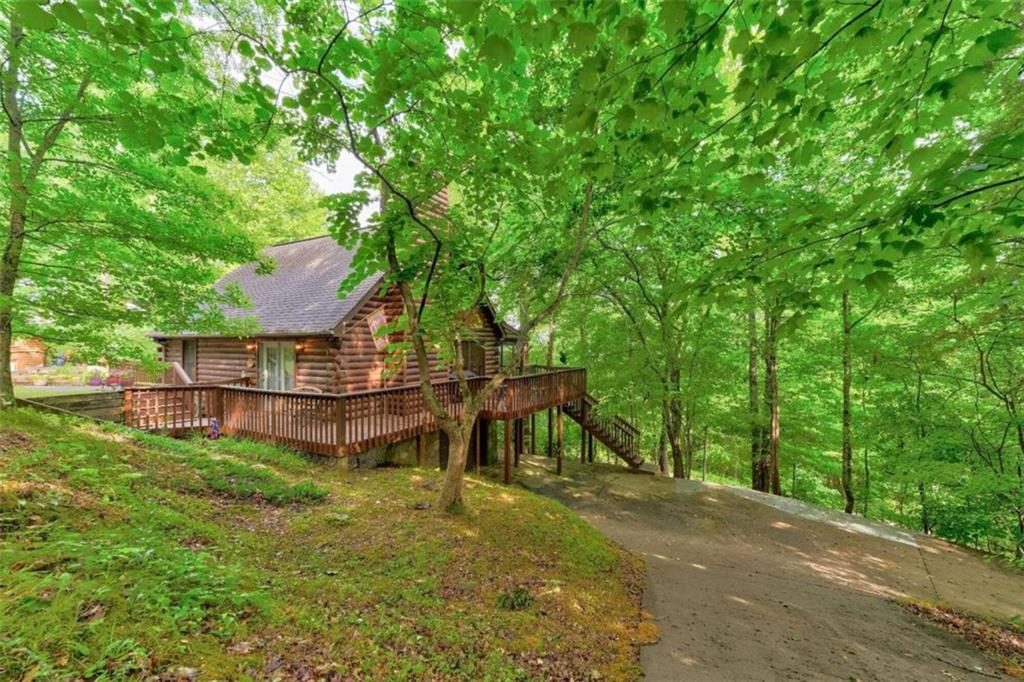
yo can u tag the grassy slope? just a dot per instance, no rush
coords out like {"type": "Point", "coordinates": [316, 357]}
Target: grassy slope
{"type": "Point", "coordinates": [30, 392]}
{"type": "Point", "coordinates": [122, 555]}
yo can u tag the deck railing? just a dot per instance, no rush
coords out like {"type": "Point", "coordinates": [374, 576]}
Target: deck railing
{"type": "Point", "coordinates": [174, 407]}
{"type": "Point", "coordinates": [338, 423]}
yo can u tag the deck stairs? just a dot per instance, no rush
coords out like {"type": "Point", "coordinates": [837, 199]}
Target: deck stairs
{"type": "Point", "coordinates": [615, 433]}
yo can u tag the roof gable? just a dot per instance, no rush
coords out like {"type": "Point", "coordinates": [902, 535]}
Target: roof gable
{"type": "Point", "coordinates": [301, 295]}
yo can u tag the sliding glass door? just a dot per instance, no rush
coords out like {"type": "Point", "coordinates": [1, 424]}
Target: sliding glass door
{"type": "Point", "coordinates": [277, 365]}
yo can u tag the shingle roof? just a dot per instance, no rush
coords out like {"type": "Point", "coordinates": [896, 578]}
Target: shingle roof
{"type": "Point", "coordinates": [301, 295]}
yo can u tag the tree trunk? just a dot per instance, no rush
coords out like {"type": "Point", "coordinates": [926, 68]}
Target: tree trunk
{"type": "Point", "coordinates": [704, 459]}
{"type": "Point", "coordinates": [1020, 534]}
{"type": "Point", "coordinates": [450, 497]}
{"type": "Point", "coordinates": [688, 447]}
{"type": "Point", "coordinates": [926, 524]}
{"type": "Point", "coordinates": [18, 203]}
{"type": "Point", "coordinates": [867, 485]}
{"type": "Point", "coordinates": [847, 475]}
{"type": "Point", "coordinates": [758, 464]}
{"type": "Point", "coordinates": [662, 453]}
{"type": "Point", "coordinates": [673, 416]}
{"type": "Point", "coordinates": [771, 400]}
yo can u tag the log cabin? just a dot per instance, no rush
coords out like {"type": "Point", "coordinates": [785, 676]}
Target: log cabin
{"type": "Point", "coordinates": [312, 339]}
{"type": "Point", "coordinates": [320, 375]}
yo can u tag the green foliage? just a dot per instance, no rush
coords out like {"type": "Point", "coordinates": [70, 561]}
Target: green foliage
{"type": "Point", "coordinates": [515, 600]}
{"type": "Point", "coordinates": [273, 199]}
{"type": "Point", "coordinates": [113, 110]}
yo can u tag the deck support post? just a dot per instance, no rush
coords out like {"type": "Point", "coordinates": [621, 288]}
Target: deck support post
{"type": "Point", "coordinates": [508, 455]}
{"type": "Point", "coordinates": [590, 447]}
{"type": "Point", "coordinates": [339, 426]}
{"type": "Point", "coordinates": [549, 431]}
{"type": "Point", "coordinates": [476, 435]}
{"type": "Point", "coordinates": [583, 432]}
{"type": "Point", "coordinates": [558, 445]}
{"type": "Point", "coordinates": [533, 433]}
{"type": "Point", "coordinates": [517, 433]}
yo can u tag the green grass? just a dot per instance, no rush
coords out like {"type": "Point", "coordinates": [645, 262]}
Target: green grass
{"type": "Point", "coordinates": [124, 555]}
{"type": "Point", "coordinates": [30, 392]}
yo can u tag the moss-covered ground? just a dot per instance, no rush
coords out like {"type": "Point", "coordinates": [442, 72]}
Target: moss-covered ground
{"type": "Point", "coordinates": [125, 556]}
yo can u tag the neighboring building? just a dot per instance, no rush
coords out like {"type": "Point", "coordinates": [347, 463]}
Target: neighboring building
{"type": "Point", "coordinates": [27, 354]}
{"type": "Point", "coordinates": [310, 338]}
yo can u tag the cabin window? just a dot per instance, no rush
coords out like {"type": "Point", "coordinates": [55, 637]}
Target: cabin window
{"type": "Point", "coordinates": [473, 357]}
{"type": "Point", "coordinates": [277, 365]}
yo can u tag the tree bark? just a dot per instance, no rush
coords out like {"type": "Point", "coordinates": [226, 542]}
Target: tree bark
{"type": "Point", "coordinates": [867, 485]}
{"type": "Point", "coordinates": [771, 400]}
{"type": "Point", "coordinates": [662, 453]}
{"type": "Point", "coordinates": [926, 524]}
{"type": "Point", "coordinates": [847, 448]}
{"type": "Point", "coordinates": [704, 459]}
{"type": "Point", "coordinates": [673, 417]}
{"type": "Point", "coordinates": [758, 464]}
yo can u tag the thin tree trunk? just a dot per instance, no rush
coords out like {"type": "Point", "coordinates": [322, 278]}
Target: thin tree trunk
{"type": "Point", "coordinates": [771, 399]}
{"type": "Point", "coordinates": [867, 485]}
{"type": "Point", "coordinates": [662, 452]}
{"type": "Point", "coordinates": [688, 446]}
{"type": "Point", "coordinates": [673, 425]}
{"type": "Point", "coordinates": [704, 459]}
{"type": "Point", "coordinates": [847, 449]}
{"type": "Point", "coordinates": [758, 465]}
{"type": "Point", "coordinates": [926, 525]}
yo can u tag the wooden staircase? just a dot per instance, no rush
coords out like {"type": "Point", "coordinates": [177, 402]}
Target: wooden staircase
{"type": "Point", "coordinates": [617, 434]}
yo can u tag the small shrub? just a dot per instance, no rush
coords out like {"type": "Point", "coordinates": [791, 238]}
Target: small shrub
{"type": "Point", "coordinates": [515, 600]}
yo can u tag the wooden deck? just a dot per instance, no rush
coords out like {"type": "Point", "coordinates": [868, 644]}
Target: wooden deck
{"type": "Point", "coordinates": [337, 424]}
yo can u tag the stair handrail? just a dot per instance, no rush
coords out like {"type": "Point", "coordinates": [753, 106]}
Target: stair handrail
{"type": "Point", "coordinates": [619, 421]}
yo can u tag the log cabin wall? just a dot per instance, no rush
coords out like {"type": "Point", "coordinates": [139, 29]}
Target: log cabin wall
{"type": "Point", "coordinates": [314, 362]}
{"type": "Point", "coordinates": [488, 337]}
{"type": "Point", "coordinates": [224, 359]}
{"type": "Point", "coordinates": [171, 351]}
{"type": "Point", "coordinates": [359, 366]}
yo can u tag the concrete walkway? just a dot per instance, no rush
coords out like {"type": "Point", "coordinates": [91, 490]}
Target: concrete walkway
{"type": "Point", "coordinates": [747, 591]}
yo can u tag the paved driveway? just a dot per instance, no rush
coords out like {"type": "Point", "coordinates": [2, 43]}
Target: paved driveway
{"type": "Point", "coordinates": [745, 591]}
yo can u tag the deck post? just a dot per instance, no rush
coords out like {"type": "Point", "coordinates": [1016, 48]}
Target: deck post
{"type": "Point", "coordinates": [339, 425]}
{"type": "Point", "coordinates": [590, 447]}
{"type": "Point", "coordinates": [126, 416]}
{"type": "Point", "coordinates": [218, 405]}
{"type": "Point", "coordinates": [549, 432]}
{"type": "Point", "coordinates": [508, 458]}
{"type": "Point", "coordinates": [533, 433]}
{"type": "Point", "coordinates": [517, 437]}
{"type": "Point", "coordinates": [583, 432]}
{"type": "Point", "coordinates": [558, 445]}
{"type": "Point", "coordinates": [476, 432]}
